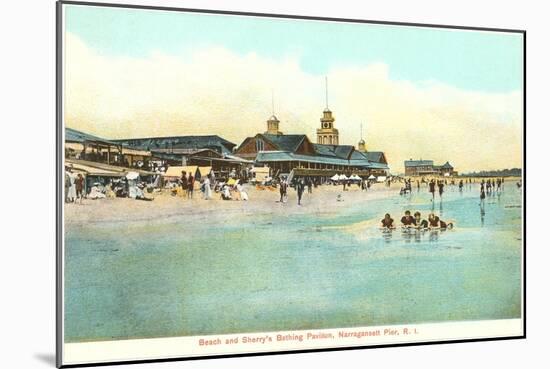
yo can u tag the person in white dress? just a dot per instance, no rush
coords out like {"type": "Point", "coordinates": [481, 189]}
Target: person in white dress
{"type": "Point", "coordinates": [242, 192]}
{"type": "Point", "coordinates": [71, 194]}
{"type": "Point", "coordinates": [207, 189]}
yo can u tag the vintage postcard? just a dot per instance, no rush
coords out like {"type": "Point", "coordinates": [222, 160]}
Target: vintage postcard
{"type": "Point", "coordinates": [237, 183]}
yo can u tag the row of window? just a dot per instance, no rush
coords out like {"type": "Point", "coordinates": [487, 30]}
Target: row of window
{"type": "Point", "coordinates": [328, 140]}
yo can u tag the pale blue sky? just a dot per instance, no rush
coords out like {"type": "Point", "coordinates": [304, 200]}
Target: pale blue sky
{"type": "Point", "coordinates": [472, 60]}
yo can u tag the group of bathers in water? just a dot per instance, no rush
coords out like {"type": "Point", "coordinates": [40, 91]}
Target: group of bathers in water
{"type": "Point", "coordinates": [416, 221]}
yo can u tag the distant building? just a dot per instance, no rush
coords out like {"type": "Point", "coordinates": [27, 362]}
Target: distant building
{"type": "Point", "coordinates": [427, 168]}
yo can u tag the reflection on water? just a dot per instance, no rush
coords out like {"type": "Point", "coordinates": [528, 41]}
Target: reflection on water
{"type": "Point", "coordinates": [253, 273]}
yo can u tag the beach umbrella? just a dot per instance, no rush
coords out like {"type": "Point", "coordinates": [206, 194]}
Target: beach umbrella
{"type": "Point", "coordinates": [342, 177]}
{"type": "Point", "coordinates": [372, 177]}
{"type": "Point", "coordinates": [334, 177]}
{"type": "Point", "coordinates": [355, 177]}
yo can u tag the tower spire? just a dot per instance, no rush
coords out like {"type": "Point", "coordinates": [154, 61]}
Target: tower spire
{"type": "Point", "coordinates": [361, 146]}
{"type": "Point", "coordinates": [273, 122]}
{"type": "Point", "coordinates": [272, 103]}
{"type": "Point", "coordinates": [326, 92]}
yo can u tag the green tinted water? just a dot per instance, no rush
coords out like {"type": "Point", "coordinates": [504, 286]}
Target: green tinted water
{"type": "Point", "coordinates": [174, 277]}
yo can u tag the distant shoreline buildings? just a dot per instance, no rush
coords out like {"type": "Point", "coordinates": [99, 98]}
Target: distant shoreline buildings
{"type": "Point", "coordinates": [427, 168]}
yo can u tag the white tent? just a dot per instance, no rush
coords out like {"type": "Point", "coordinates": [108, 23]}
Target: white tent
{"type": "Point", "coordinates": [334, 177]}
{"type": "Point", "coordinates": [260, 173]}
{"type": "Point", "coordinates": [372, 177]}
{"type": "Point", "coordinates": [132, 175]}
{"type": "Point", "coordinates": [355, 177]}
{"type": "Point", "coordinates": [342, 177]}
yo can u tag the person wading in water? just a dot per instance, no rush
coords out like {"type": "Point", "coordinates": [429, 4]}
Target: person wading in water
{"type": "Point", "coordinates": [432, 188]}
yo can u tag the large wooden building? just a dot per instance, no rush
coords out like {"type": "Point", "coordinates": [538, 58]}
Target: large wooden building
{"type": "Point", "coordinates": [285, 152]}
{"type": "Point", "coordinates": [153, 154]}
{"type": "Point", "coordinates": [210, 150]}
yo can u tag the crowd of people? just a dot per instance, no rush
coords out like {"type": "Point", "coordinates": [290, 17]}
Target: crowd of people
{"type": "Point", "coordinates": [489, 187]}
{"type": "Point", "coordinates": [232, 189]}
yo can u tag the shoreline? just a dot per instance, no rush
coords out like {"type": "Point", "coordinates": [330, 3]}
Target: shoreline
{"type": "Point", "coordinates": [323, 201]}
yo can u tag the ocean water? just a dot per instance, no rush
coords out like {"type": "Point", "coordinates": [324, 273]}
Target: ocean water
{"type": "Point", "coordinates": [175, 277]}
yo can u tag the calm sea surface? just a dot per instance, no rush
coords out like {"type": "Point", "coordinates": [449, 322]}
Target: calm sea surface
{"type": "Point", "coordinates": [174, 277]}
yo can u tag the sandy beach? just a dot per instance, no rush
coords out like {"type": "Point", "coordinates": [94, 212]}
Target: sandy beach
{"type": "Point", "coordinates": [322, 202]}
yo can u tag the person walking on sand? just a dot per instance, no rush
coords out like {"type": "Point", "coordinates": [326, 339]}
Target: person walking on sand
{"type": "Point", "coordinates": [282, 190]}
{"type": "Point", "coordinates": [190, 186]}
{"type": "Point", "coordinates": [300, 190]}
{"type": "Point", "coordinates": [431, 186]}
{"type": "Point", "coordinates": [309, 183]}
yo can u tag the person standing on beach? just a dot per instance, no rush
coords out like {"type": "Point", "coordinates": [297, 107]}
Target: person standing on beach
{"type": "Point", "coordinates": [79, 185]}
{"type": "Point", "coordinates": [183, 182]}
{"type": "Point", "coordinates": [432, 188]}
{"type": "Point", "coordinates": [71, 193]}
{"type": "Point", "coordinates": [190, 186]}
{"type": "Point", "coordinates": [482, 198]}
{"type": "Point", "coordinates": [309, 185]}
{"type": "Point", "coordinates": [207, 189]}
{"type": "Point", "coordinates": [300, 190]}
{"type": "Point", "coordinates": [67, 184]}
{"type": "Point", "coordinates": [460, 185]}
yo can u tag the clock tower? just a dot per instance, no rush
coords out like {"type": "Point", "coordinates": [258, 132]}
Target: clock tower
{"type": "Point", "coordinates": [327, 134]}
